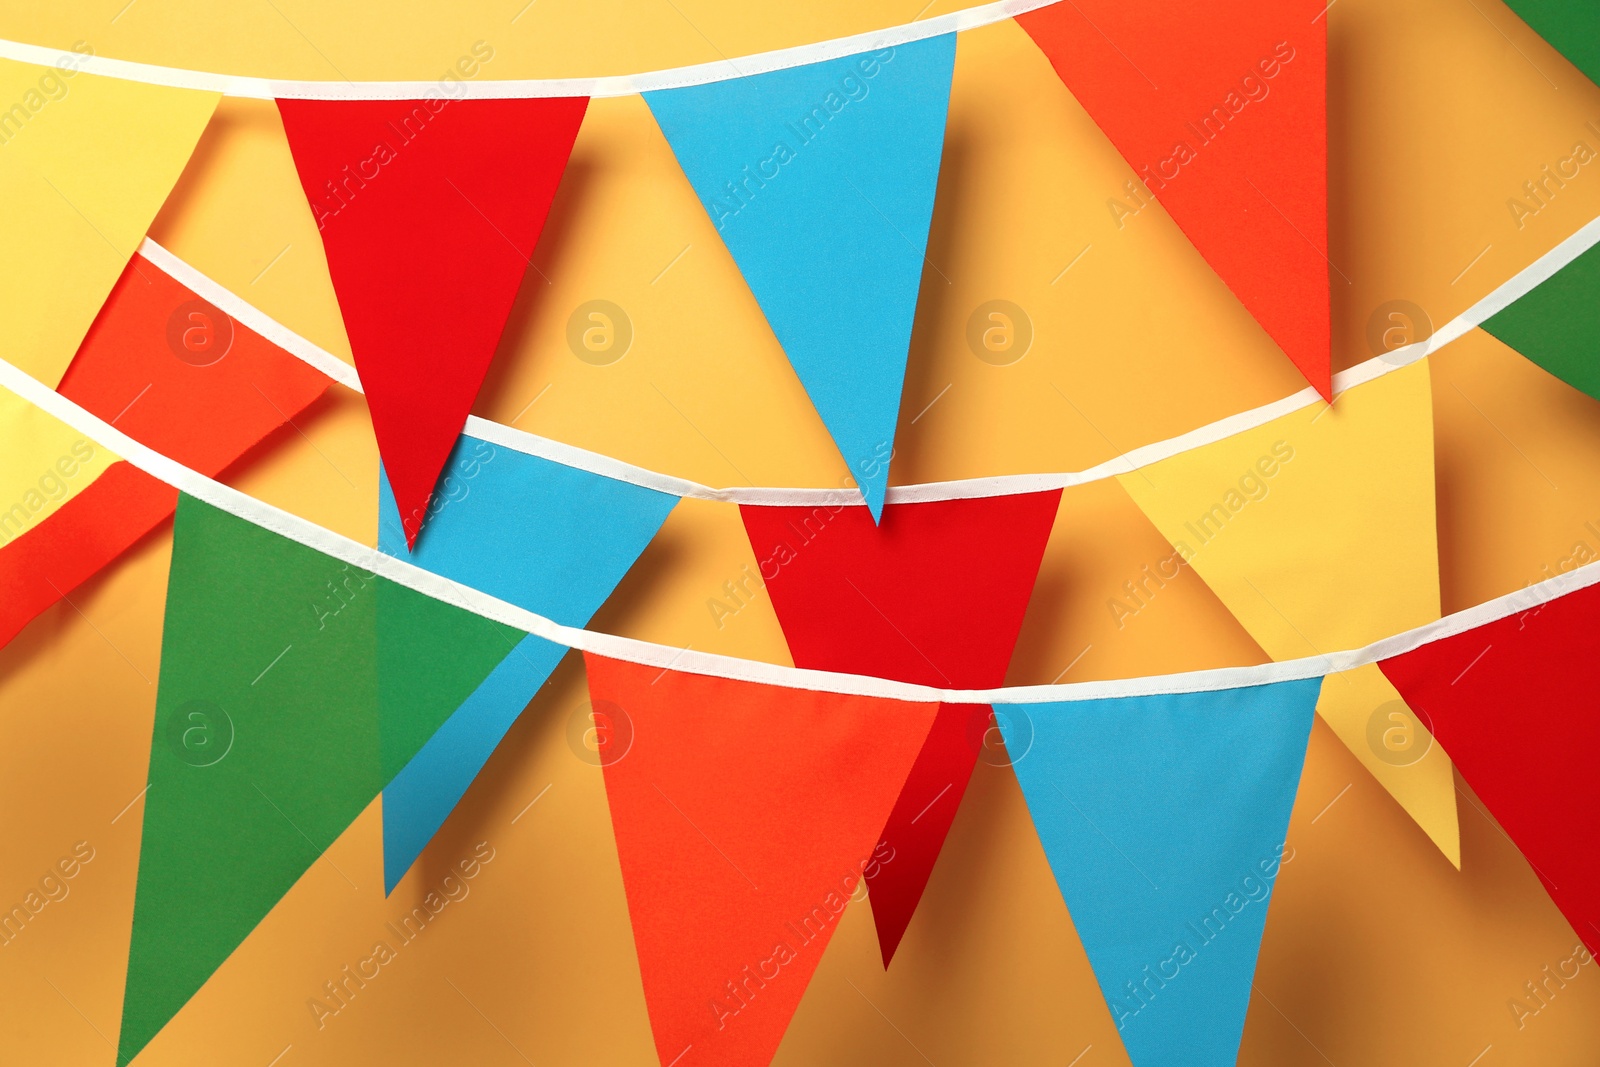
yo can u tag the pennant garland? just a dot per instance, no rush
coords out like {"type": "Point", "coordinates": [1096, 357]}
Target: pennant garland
{"type": "Point", "coordinates": [1265, 517]}
{"type": "Point", "coordinates": [817, 177]}
{"type": "Point", "coordinates": [547, 537]}
{"type": "Point", "coordinates": [1164, 820]}
{"type": "Point", "coordinates": [85, 163]}
{"type": "Point", "coordinates": [173, 372]}
{"type": "Point", "coordinates": [429, 211]}
{"type": "Point", "coordinates": [1221, 110]}
{"type": "Point", "coordinates": [202, 641]}
{"type": "Point", "coordinates": [1480, 691]}
{"type": "Point", "coordinates": [1556, 324]}
{"type": "Point", "coordinates": [745, 816]}
{"type": "Point", "coordinates": [247, 793]}
{"type": "Point", "coordinates": [934, 595]}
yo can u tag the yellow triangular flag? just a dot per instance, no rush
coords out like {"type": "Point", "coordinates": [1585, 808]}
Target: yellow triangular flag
{"type": "Point", "coordinates": [43, 464]}
{"type": "Point", "coordinates": [85, 164]}
{"type": "Point", "coordinates": [1317, 530]}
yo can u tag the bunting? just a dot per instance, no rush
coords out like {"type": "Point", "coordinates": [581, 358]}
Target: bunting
{"type": "Point", "coordinates": [935, 594]}
{"type": "Point", "coordinates": [170, 370]}
{"type": "Point", "coordinates": [268, 740]}
{"type": "Point", "coordinates": [1281, 520]}
{"type": "Point", "coordinates": [1164, 820]}
{"type": "Point", "coordinates": [751, 803]}
{"type": "Point", "coordinates": [429, 211]}
{"type": "Point", "coordinates": [1513, 702]}
{"type": "Point", "coordinates": [550, 538]}
{"type": "Point", "coordinates": [1221, 110]}
{"type": "Point", "coordinates": [85, 164]}
{"type": "Point", "coordinates": [1556, 324]}
{"type": "Point", "coordinates": [820, 180]}
{"type": "Point", "coordinates": [745, 817]}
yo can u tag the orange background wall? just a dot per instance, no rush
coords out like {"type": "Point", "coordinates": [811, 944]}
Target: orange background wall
{"type": "Point", "coordinates": [1377, 952]}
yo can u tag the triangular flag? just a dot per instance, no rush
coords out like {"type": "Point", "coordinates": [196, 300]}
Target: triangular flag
{"type": "Point", "coordinates": [1164, 819]}
{"type": "Point", "coordinates": [429, 211]}
{"type": "Point", "coordinates": [1572, 27]}
{"type": "Point", "coordinates": [1514, 703]}
{"type": "Point", "coordinates": [85, 164]}
{"type": "Point", "coordinates": [1221, 110]}
{"type": "Point", "coordinates": [934, 595]}
{"type": "Point", "coordinates": [175, 373]}
{"type": "Point", "coordinates": [266, 742]}
{"type": "Point", "coordinates": [1557, 324]}
{"type": "Point", "coordinates": [820, 180]}
{"type": "Point", "coordinates": [550, 538]}
{"type": "Point", "coordinates": [745, 816]}
{"type": "Point", "coordinates": [1281, 522]}
{"type": "Point", "coordinates": [45, 466]}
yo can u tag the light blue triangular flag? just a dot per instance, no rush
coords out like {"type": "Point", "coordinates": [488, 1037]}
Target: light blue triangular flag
{"type": "Point", "coordinates": [821, 180]}
{"type": "Point", "coordinates": [1164, 820]}
{"type": "Point", "coordinates": [538, 534]}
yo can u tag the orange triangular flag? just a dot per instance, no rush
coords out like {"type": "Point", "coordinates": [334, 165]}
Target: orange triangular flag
{"type": "Point", "coordinates": [745, 818]}
{"type": "Point", "coordinates": [1221, 108]}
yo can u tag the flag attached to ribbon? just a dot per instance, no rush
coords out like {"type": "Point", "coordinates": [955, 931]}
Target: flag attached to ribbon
{"type": "Point", "coordinates": [1514, 703]}
{"type": "Point", "coordinates": [933, 595]}
{"type": "Point", "coordinates": [429, 211]}
{"type": "Point", "coordinates": [550, 538]}
{"type": "Point", "coordinates": [1557, 323]}
{"type": "Point", "coordinates": [820, 180]}
{"type": "Point", "coordinates": [1281, 522]}
{"type": "Point", "coordinates": [1164, 819]}
{"type": "Point", "coordinates": [745, 817]}
{"type": "Point", "coordinates": [171, 371]}
{"type": "Point", "coordinates": [85, 164]}
{"type": "Point", "coordinates": [1221, 110]}
{"type": "Point", "coordinates": [267, 736]}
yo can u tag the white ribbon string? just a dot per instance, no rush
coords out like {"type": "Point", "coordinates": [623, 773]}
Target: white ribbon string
{"type": "Point", "coordinates": [689, 661]}
{"type": "Point", "coordinates": [1004, 485]}
{"type": "Point", "coordinates": [525, 88]}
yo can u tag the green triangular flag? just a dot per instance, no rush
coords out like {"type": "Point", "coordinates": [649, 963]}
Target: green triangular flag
{"type": "Point", "coordinates": [1571, 26]}
{"type": "Point", "coordinates": [417, 693]}
{"type": "Point", "coordinates": [267, 735]}
{"type": "Point", "coordinates": [1557, 325]}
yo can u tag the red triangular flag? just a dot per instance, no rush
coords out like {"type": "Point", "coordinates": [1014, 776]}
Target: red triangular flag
{"type": "Point", "coordinates": [935, 595]}
{"type": "Point", "coordinates": [171, 371]}
{"type": "Point", "coordinates": [1513, 703]}
{"type": "Point", "coordinates": [745, 815]}
{"type": "Point", "coordinates": [429, 211]}
{"type": "Point", "coordinates": [1221, 109]}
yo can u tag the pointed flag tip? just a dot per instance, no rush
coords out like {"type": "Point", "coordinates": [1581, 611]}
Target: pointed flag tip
{"type": "Point", "coordinates": [412, 519]}
{"type": "Point", "coordinates": [874, 176]}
